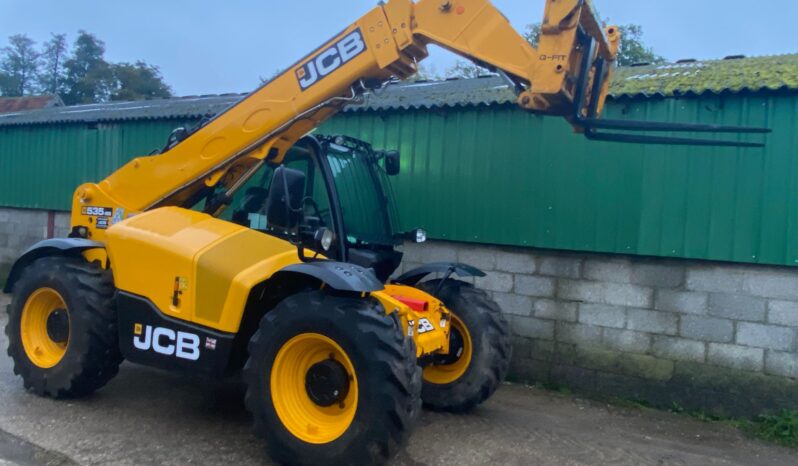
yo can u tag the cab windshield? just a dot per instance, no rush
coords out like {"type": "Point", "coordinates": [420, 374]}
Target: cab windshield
{"type": "Point", "coordinates": [359, 182]}
{"type": "Point", "coordinates": [364, 195]}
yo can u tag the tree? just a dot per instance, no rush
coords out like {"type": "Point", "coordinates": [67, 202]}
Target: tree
{"type": "Point", "coordinates": [82, 76]}
{"type": "Point", "coordinates": [633, 50]}
{"type": "Point", "coordinates": [466, 69]}
{"type": "Point", "coordinates": [426, 72]}
{"type": "Point", "coordinates": [532, 34]}
{"type": "Point", "coordinates": [7, 84]}
{"type": "Point", "coordinates": [89, 78]}
{"type": "Point", "coordinates": [53, 75]}
{"type": "Point", "coordinates": [138, 81]}
{"type": "Point", "coordinates": [19, 65]}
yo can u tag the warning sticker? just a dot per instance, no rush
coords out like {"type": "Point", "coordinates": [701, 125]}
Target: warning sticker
{"type": "Point", "coordinates": [119, 215]}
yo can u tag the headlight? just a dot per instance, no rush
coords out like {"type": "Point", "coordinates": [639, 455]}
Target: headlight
{"type": "Point", "coordinates": [421, 236]}
{"type": "Point", "coordinates": [324, 238]}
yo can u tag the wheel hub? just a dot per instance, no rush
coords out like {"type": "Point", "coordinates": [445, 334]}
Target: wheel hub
{"type": "Point", "coordinates": [327, 383]}
{"type": "Point", "coordinates": [58, 326]}
{"type": "Point", "coordinates": [456, 346]}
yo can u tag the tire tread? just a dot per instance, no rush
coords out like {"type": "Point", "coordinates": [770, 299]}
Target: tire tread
{"type": "Point", "coordinates": [479, 384]}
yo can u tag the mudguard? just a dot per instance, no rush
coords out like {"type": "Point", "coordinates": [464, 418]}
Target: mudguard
{"type": "Point", "coordinates": [338, 275]}
{"type": "Point", "coordinates": [414, 276]}
{"type": "Point", "coordinates": [48, 247]}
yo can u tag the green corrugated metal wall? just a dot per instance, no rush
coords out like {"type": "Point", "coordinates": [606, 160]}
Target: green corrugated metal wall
{"type": "Point", "coordinates": [43, 164]}
{"type": "Point", "coordinates": [497, 175]}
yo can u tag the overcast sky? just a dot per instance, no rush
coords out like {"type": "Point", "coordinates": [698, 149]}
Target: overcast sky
{"type": "Point", "coordinates": [206, 47]}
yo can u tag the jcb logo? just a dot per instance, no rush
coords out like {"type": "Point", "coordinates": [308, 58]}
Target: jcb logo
{"type": "Point", "coordinates": [331, 59]}
{"type": "Point", "coordinates": [167, 342]}
{"type": "Point", "coordinates": [424, 326]}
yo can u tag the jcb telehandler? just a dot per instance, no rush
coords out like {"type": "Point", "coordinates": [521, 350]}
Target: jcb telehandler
{"type": "Point", "coordinates": [290, 283]}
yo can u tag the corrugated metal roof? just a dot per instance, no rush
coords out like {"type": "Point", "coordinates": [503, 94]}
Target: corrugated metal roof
{"type": "Point", "coordinates": [486, 90]}
{"type": "Point", "coordinates": [694, 77]}
{"type": "Point", "coordinates": [181, 107]}
{"type": "Point", "coordinates": [29, 102]}
{"type": "Point", "coordinates": [450, 93]}
{"type": "Point", "coordinates": [733, 74]}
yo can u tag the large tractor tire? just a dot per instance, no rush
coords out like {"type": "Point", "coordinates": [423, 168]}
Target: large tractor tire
{"type": "Point", "coordinates": [62, 332]}
{"type": "Point", "coordinates": [332, 380]}
{"type": "Point", "coordinates": [480, 350]}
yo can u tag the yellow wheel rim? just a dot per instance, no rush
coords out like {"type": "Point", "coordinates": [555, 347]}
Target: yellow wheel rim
{"type": "Point", "coordinates": [36, 340]}
{"type": "Point", "coordinates": [445, 374]}
{"type": "Point", "coordinates": [303, 417]}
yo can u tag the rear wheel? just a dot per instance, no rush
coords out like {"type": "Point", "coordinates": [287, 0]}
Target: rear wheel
{"type": "Point", "coordinates": [61, 327]}
{"type": "Point", "coordinates": [480, 349]}
{"type": "Point", "coordinates": [332, 380]}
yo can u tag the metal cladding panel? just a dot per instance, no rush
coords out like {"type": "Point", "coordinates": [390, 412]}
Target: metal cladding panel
{"type": "Point", "coordinates": [500, 176]}
{"type": "Point", "coordinates": [494, 174]}
{"type": "Point", "coordinates": [43, 164]}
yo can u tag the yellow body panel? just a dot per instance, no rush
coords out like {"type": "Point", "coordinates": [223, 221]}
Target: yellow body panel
{"type": "Point", "coordinates": [430, 341]}
{"type": "Point", "coordinates": [212, 263]}
{"type": "Point", "coordinates": [97, 255]}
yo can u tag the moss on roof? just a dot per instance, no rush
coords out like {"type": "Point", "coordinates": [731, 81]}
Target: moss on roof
{"type": "Point", "coordinates": [715, 76]}
{"type": "Point", "coordinates": [699, 77]}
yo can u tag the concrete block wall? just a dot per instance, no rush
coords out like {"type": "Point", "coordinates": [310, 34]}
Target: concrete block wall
{"type": "Point", "coordinates": [696, 334]}
{"type": "Point", "coordinates": [702, 335]}
{"type": "Point", "coordinates": [21, 228]}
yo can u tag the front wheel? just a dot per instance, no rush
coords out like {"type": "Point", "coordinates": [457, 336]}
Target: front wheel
{"type": "Point", "coordinates": [480, 349]}
{"type": "Point", "coordinates": [332, 380]}
{"type": "Point", "coordinates": [62, 330]}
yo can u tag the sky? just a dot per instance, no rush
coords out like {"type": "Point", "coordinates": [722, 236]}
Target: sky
{"type": "Point", "coordinates": [213, 47]}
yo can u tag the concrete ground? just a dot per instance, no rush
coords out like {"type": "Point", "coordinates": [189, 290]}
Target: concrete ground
{"type": "Point", "coordinates": [148, 417]}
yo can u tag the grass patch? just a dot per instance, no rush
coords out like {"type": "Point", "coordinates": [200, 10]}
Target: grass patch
{"type": "Point", "coordinates": [781, 428]}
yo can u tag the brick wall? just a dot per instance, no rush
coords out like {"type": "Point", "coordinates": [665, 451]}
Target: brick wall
{"type": "Point", "coordinates": [695, 334]}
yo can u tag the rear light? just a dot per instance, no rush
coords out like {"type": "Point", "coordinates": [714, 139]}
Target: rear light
{"type": "Point", "coordinates": [414, 304]}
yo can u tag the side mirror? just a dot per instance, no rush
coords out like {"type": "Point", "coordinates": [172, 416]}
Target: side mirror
{"type": "Point", "coordinates": [284, 206]}
{"type": "Point", "coordinates": [392, 162]}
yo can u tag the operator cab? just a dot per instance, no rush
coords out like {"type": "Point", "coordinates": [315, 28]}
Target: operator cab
{"type": "Point", "coordinates": [331, 195]}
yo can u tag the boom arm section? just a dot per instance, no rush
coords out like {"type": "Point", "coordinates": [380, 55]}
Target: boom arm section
{"type": "Point", "coordinates": [567, 75]}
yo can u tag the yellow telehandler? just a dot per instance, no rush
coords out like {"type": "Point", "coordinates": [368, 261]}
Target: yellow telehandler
{"type": "Point", "coordinates": [246, 245]}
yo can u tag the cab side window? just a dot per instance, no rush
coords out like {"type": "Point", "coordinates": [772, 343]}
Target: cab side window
{"type": "Point", "coordinates": [249, 204]}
